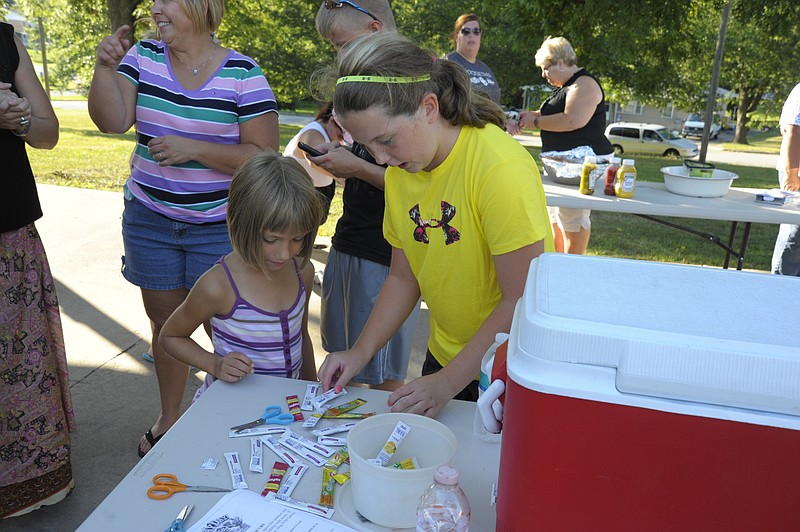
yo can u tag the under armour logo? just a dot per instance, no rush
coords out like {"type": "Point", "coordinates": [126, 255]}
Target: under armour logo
{"type": "Point", "coordinates": [451, 234]}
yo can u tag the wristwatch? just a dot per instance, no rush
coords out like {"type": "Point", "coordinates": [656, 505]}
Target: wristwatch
{"type": "Point", "coordinates": [536, 122]}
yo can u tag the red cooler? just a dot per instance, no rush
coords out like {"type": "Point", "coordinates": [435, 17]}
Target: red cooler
{"type": "Point", "coordinates": [647, 396]}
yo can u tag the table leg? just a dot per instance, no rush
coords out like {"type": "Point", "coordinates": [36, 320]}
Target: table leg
{"type": "Point", "coordinates": [729, 251]}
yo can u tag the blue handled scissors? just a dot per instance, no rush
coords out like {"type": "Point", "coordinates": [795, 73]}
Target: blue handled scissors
{"type": "Point", "coordinates": [177, 524]}
{"type": "Point", "coordinates": [272, 416]}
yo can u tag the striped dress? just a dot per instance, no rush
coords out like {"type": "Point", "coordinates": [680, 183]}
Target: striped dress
{"type": "Point", "coordinates": [235, 93]}
{"type": "Point", "coordinates": [273, 341]}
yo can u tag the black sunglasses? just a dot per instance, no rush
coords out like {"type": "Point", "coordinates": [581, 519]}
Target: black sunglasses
{"type": "Point", "coordinates": [331, 4]}
{"type": "Point", "coordinates": [467, 31]}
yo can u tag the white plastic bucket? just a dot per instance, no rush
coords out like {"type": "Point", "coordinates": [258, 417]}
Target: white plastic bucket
{"type": "Point", "coordinates": [385, 495]}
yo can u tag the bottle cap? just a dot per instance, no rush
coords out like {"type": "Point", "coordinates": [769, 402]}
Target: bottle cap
{"type": "Point", "coordinates": [446, 475]}
{"type": "Point", "coordinates": [615, 160]}
{"type": "Point", "coordinates": [627, 162]}
{"type": "Point", "coordinates": [590, 159]}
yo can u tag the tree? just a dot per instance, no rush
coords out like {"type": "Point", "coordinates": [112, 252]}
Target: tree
{"type": "Point", "coordinates": [283, 41]}
{"type": "Point", "coordinates": [761, 56]}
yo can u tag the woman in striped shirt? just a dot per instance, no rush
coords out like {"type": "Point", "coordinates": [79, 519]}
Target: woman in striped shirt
{"type": "Point", "coordinates": [200, 111]}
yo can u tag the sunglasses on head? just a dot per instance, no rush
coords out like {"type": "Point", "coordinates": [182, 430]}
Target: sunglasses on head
{"type": "Point", "coordinates": [332, 4]}
{"type": "Point", "coordinates": [467, 31]}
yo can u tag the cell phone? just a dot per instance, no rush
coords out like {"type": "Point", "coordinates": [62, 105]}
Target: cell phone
{"type": "Point", "coordinates": [309, 150]}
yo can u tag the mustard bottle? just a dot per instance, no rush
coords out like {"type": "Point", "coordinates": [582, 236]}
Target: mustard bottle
{"type": "Point", "coordinates": [587, 181]}
{"type": "Point", "coordinates": [626, 179]}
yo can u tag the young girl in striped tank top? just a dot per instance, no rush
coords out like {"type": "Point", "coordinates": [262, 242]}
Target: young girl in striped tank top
{"type": "Point", "coordinates": [256, 298]}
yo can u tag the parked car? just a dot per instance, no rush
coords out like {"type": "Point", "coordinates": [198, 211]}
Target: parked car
{"type": "Point", "coordinates": [652, 139]}
{"type": "Point", "coordinates": [693, 127]}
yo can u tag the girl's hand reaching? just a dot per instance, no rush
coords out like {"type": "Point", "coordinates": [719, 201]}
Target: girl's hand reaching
{"type": "Point", "coordinates": [233, 367]}
{"type": "Point", "coordinates": [338, 368]}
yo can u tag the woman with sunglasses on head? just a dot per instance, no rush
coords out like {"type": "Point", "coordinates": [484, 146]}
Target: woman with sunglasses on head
{"type": "Point", "coordinates": [465, 213]}
{"type": "Point", "coordinates": [359, 258]}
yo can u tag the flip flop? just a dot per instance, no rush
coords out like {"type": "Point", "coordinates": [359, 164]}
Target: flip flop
{"type": "Point", "coordinates": [151, 440]}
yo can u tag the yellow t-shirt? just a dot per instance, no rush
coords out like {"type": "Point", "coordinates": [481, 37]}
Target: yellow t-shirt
{"type": "Point", "coordinates": [485, 199]}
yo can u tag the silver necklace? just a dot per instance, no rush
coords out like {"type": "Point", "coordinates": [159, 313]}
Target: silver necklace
{"type": "Point", "coordinates": [196, 71]}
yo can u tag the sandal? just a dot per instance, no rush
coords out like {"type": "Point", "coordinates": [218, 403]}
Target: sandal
{"type": "Point", "coordinates": [148, 436]}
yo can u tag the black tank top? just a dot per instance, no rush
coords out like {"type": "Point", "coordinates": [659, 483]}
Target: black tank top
{"type": "Point", "coordinates": [592, 134]}
{"type": "Point", "coordinates": [19, 202]}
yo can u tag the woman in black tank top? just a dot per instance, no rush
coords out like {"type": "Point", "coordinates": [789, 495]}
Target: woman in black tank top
{"type": "Point", "coordinates": [574, 115]}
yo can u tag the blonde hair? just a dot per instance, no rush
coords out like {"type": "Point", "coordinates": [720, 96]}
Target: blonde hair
{"type": "Point", "coordinates": [390, 54]}
{"type": "Point", "coordinates": [346, 17]}
{"type": "Point", "coordinates": [270, 192]}
{"type": "Point", "coordinates": [553, 50]}
{"type": "Point", "coordinates": [460, 22]}
{"type": "Point", "coordinates": [207, 19]}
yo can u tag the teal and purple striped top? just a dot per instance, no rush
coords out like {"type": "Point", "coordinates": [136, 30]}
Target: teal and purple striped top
{"type": "Point", "coordinates": [272, 340]}
{"type": "Point", "coordinates": [235, 93]}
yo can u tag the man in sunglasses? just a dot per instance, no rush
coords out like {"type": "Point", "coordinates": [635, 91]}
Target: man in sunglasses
{"type": "Point", "coordinates": [342, 21]}
{"type": "Point", "coordinates": [467, 40]}
{"type": "Point", "coordinates": [359, 259]}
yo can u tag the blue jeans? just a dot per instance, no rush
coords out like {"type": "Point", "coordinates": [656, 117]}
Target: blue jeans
{"type": "Point", "coordinates": [165, 254]}
{"type": "Point", "coordinates": [786, 255]}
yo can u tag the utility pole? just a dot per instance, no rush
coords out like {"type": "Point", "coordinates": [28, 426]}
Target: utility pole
{"type": "Point", "coordinates": [711, 102]}
{"type": "Point", "coordinates": [44, 57]}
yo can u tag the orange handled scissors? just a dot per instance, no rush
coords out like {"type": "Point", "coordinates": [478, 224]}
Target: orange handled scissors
{"type": "Point", "coordinates": [165, 484]}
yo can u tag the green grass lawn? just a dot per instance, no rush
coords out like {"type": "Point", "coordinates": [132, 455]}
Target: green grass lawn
{"type": "Point", "coordinates": [87, 158]}
{"type": "Point", "coordinates": [758, 142]}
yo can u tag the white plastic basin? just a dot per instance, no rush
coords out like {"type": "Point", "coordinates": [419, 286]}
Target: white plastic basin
{"type": "Point", "coordinates": [385, 495]}
{"type": "Point", "coordinates": [678, 181]}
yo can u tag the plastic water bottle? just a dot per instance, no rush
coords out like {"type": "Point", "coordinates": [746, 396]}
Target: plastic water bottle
{"type": "Point", "coordinates": [443, 507]}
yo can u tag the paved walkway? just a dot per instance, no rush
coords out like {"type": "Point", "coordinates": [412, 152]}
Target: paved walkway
{"type": "Point", "coordinates": [106, 331]}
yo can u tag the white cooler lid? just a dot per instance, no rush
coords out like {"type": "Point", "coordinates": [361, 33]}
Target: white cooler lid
{"type": "Point", "coordinates": [671, 331]}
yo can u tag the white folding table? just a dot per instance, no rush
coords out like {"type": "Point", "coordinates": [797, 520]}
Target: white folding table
{"type": "Point", "coordinates": [653, 199]}
{"type": "Point", "coordinates": [202, 432]}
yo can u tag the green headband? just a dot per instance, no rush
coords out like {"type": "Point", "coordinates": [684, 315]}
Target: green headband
{"type": "Point", "coordinates": [383, 79]}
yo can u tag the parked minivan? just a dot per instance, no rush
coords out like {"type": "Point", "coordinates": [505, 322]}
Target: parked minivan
{"type": "Point", "coordinates": [652, 139]}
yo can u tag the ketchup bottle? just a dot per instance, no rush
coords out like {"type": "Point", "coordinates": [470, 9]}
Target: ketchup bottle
{"type": "Point", "coordinates": [611, 176]}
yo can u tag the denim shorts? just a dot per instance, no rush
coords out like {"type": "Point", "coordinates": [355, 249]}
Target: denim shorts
{"type": "Point", "coordinates": [165, 254]}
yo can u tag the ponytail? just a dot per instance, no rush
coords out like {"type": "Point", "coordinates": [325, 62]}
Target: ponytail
{"type": "Point", "coordinates": [459, 104]}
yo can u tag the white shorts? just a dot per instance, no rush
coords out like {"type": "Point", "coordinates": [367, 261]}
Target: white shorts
{"type": "Point", "coordinates": [570, 220]}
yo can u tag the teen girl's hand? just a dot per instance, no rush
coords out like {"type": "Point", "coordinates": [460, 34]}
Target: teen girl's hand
{"type": "Point", "coordinates": [233, 367]}
{"type": "Point", "coordinates": [424, 396]}
{"type": "Point", "coordinates": [338, 368]}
